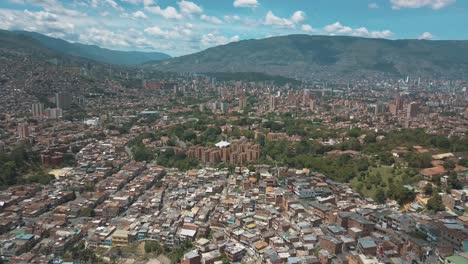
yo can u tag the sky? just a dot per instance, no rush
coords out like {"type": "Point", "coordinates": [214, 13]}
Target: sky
{"type": "Point", "coordinates": [179, 27]}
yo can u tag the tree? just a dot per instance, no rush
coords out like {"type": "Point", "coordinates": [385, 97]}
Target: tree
{"type": "Point", "coordinates": [453, 182]}
{"type": "Point", "coordinates": [224, 259]}
{"type": "Point", "coordinates": [405, 196]}
{"type": "Point", "coordinates": [449, 165]}
{"type": "Point", "coordinates": [87, 212]}
{"type": "Point", "coordinates": [428, 189]}
{"type": "Point", "coordinates": [68, 159]}
{"type": "Point", "coordinates": [8, 173]}
{"type": "Point", "coordinates": [152, 247]}
{"type": "Point", "coordinates": [75, 149]}
{"type": "Point", "coordinates": [398, 192]}
{"type": "Point", "coordinates": [261, 140]}
{"type": "Point", "coordinates": [435, 203]}
{"type": "Point", "coordinates": [189, 135]}
{"type": "Point", "coordinates": [142, 153]}
{"type": "Point", "coordinates": [380, 196]}
{"type": "Point", "coordinates": [463, 162]}
{"type": "Point", "coordinates": [354, 132]}
{"type": "Point", "coordinates": [419, 161]}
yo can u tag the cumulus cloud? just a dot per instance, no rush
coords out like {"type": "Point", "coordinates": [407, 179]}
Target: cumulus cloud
{"type": "Point", "coordinates": [434, 4]}
{"type": "Point", "coordinates": [278, 22]}
{"type": "Point", "coordinates": [139, 14]}
{"type": "Point", "coordinates": [231, 18]}
{"type": "Point", "coordinates": [38, 21]}
{"type": "Point", "coordinates": [298, 17]}
{"type": "Point", "coordinates": [338, 29]}
{"type": "Point", "coordinates": [211, 19]}
{"type": "Point", "coordinates": [189, 8]}
{"type": "Point", "coordinates": [53, 6]}
{"type": "Point", "coordinates": [106, 3]}
{"type": "Point", "coordinates": [426, 36]}
{"type": "Point", "coordinates": [246, 3]}
{"type": "Point", "coordinates": [214, 39]}
{"type": "Point", "coordinates": [373, 5]}
{"type": "Point", "coordinates": [104, 37]}
{"type": "Point", "coordinates": [181, 32]}
{"type": "Point", "coordinates": [137, 2]}
{"type": "Point", "coordinates": [308, 29]}
{"type": "Point", "coordinates": [168, 12]}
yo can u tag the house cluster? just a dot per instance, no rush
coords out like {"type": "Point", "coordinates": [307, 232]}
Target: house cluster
{"type": "Point", "coordinates": [39, 221]}
{"type": "Point", "coordinates": [309, 219]}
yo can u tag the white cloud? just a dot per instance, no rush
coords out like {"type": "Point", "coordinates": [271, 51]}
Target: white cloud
{"type": "Point", "coordinates": [133, 2]}
{"type": "Point", "coordinates": [278, 22]}
{"type": "Point", "coordinates": [426, 35]}
{"type": "Point", "coordinates": [246, 3]}
{"type": "Point", "coordinates": [373, 5]}
{"type": "Point", "coordinates": [104, 37]}
{"type": "Point", "coordinates": [231, 18]}
{"type": "Point", "coordinates": [189, 8]}
{"type": "Point", "coordinates": [37, 21]}
{"type": "Point", "coordinates": [168, 12]}
{"type": "Point", "coordinates": [338, 29]}
{"type": "Point", "coordinates": [156, 31]}
{"type": "Point", "coordinates": [137, 2]}
{"type": "Point", "coordinates": [53, 6]}
{"type": "Point", "coordinates": [214, 39]}
{"type": "Point", "coordinates": [106, 3]}
{"type": "Point", "coordinates": [139, 14]}
{"type": "Point", "coordinates": [308, 29]}
{"type": "Point", "coordinates": [211, 19]}
{"type": "Point", "coordinates": [364, 32]}
{"type": "Point", "coordinates": [434, 4]}
{"type": "Point", "coordinates": [180, 32]}
{"type": "Point", "coordinates": [298, 17]}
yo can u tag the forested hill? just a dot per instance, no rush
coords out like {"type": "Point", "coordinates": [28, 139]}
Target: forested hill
{"type": "Point", "coordinates": [305, 56]}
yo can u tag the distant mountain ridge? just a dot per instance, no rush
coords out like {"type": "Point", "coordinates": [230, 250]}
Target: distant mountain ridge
{"type": "Point", "coordinates": [326, 57]}
{"type": "Point", "coordinates": [93, 52]}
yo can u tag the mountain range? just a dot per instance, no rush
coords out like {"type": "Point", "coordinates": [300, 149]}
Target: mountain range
{"type": "Point", "coordinates": [329, 57]}
{"type": "Point", "coordinates": [301, 57]}
{"type": "Point", "coordinates": [92, 52]}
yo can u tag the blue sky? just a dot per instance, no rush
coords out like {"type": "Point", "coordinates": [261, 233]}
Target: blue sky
{"type": "Point", "coordinates": [179, 27]}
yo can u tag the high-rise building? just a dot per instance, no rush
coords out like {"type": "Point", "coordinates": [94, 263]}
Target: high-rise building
{"type": "Point", "coordinates": [242, 101]}
{"type": "Point", "coordinates": [380, 108]}
{"type": "Point", "coordinates": [312, 104]}
{"type": "Point", "coordinates": [392, 108]}
{"type": "Point", "coordinates": [23, 130]}
{"type": "Point", "coordinates": [398, 101]}
{"type": "Point", "coordinates": [37, 109]}
{"type": "Point", "coordinates": [272, 103]}
{"type": "Point", "coordinates": [55, 113]}
{"type": "Point", "coordinates": [413, 109]}
{"type": "Point", "coordinates": [81, 100]}
{"type": "Point", "coordinates": [224, 107]}
{"type": "Point", "coordinates": [63, 100]}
